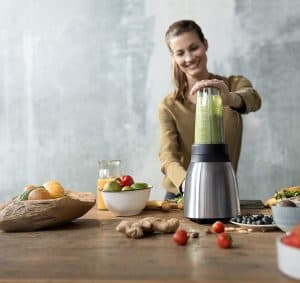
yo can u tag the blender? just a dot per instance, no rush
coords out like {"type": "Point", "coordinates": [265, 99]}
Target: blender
{"type": "Point", "coordinates": [211, 191]}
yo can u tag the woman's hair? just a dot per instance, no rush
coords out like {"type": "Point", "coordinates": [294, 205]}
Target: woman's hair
{"type": "Point", "coordinates": [179, 77]}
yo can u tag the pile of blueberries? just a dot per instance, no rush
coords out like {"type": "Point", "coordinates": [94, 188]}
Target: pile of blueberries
{"type": "Point", "coordinates": [259, 219]}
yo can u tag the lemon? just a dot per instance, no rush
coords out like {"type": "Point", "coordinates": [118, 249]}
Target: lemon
{"type": "Point", "coordinates": [55, 189]}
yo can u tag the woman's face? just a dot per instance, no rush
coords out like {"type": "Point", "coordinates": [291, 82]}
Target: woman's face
{"type": "Point", "coordinates": [189, 52]}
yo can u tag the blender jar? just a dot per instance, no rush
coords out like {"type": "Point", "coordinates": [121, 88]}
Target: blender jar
{"type": "Point", "coordinates": [209, 128]}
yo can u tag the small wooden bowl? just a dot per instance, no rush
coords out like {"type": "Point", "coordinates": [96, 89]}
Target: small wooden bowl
{"type": "Point", "coordinates": [30, 215]}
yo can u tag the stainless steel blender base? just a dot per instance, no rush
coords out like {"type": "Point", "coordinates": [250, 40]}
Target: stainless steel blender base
{"type": "Point", "coordinates": [210, 191]}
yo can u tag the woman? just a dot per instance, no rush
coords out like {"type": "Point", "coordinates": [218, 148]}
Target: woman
{"type": "Point", "coordinates": [188, 47]}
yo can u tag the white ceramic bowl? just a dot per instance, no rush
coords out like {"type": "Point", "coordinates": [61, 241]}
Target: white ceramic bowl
{"type": "Point", "coordinates": [288, 259]}
{"type": "Point", "coordinates": [126, 203]}
{"type": "Point", "coordinates": [297, 202]}
{"type": "Point", "coordinates": [286, 217]}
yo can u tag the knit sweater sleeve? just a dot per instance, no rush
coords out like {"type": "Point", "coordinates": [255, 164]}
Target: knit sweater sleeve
{"type": "Point", "coordinates": [169, 152]}
{"type": "Point", "coordinates": [241, 86]}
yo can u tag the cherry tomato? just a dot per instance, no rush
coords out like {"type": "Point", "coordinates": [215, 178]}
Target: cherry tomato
{"type": "Point", "coordinates": [291, 240]}
{"type": "Point", "coordinates": [296, 230]}
{"type": "Point", "coordinates": [224, 241]}
{"type": "Point", "coordinates": [126, 180]}
{"type": "Point", "coordinates": [180, 237]}
{"type": "Point", "coordinates": [296, 241]}
{"type": "Point", "coordinates": [218, 227]}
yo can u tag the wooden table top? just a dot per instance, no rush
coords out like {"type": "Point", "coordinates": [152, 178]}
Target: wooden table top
{"type": "Point", "coordinates": [90, 250]}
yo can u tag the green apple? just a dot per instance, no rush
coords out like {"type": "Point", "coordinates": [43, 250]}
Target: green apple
{"type": "Point", "coordinates": [139, 186]}
{"type": "Point", "coordinates": [127, 188]}
{"type": "Point", "coordinates": [112, 186]}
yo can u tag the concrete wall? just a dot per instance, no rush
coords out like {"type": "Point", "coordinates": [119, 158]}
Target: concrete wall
{"type": "Point", "coordinates": [80, 81]}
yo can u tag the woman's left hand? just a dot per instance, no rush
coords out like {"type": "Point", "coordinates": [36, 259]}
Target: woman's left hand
{"type": "Point", "coordinates": [211, 83]}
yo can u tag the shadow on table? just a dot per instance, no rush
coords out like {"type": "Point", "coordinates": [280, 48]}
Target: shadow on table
{"type": "Point", "coordinates": [75, 225]}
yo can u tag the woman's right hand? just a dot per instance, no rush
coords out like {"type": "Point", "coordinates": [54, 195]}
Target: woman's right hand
{"type": "Point", "coordinates": [192, 97]}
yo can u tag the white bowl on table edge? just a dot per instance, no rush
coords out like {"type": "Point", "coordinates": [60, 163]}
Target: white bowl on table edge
{"type": "Point", "coordinates": [286, 217]}
{"type": "Point", "coordinates": [288, 259]}
{"type": "Point", "coordinates": [126, 203]}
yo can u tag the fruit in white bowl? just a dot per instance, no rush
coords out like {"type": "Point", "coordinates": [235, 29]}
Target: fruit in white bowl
{"type": "Point", "coordinates": [112, 186]}
{"type": "Point", "coordinates": [128, 202]}
{"type": "Point", "coordinates": [288, 253]}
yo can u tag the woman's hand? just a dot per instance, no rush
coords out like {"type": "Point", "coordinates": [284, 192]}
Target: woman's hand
{"type": "Point", "coordinates": [210, 83]}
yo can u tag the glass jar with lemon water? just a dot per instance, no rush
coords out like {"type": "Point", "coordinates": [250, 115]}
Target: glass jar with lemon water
{"type": "Point", "coordinates": [108, 171]}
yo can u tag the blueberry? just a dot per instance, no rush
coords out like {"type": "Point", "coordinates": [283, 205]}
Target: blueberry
{"type": "Point", "coordinates": [267, 220]}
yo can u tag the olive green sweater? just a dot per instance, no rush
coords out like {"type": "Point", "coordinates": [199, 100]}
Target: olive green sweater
{"type": "Point", "coordinates": [177, 124]}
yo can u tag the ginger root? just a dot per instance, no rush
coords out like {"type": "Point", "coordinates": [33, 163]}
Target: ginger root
{"type": "Point", "coordinates": [147, 225]}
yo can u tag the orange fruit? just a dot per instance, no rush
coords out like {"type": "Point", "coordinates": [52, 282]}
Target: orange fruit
{"type": "Point", "coordinates": [38, 194]}
{"type": "Point", "coordinates": [55, 189]}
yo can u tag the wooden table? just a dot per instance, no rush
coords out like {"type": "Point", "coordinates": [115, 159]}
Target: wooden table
{"type": "Point", "coordinates": [90, 250]}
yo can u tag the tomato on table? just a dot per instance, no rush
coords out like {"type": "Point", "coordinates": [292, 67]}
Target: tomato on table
{"type": "Point", "coordinates": [224, 241]}
{"type": "Point", "coordinates": [180, 237]}
{"type": "Point", "coordinates": [218, 227]}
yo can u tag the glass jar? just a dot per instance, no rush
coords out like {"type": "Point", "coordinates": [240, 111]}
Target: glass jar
{"type": "Point", "coordinates": [108, 171]}
{"type": "Point", "coordinates": [114, 168]}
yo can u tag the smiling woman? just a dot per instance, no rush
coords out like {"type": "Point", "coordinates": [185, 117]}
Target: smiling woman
{"type": "Point", "coordinates": [188, 46]}
{"type": "Point", "coordinates": [189, 53]}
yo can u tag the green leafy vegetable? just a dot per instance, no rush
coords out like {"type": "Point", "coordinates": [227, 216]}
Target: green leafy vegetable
{"type": "Point", "coordinates": [286, 194]}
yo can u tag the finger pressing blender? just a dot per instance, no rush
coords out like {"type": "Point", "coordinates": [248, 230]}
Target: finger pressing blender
{"type": "Point", "coordinates": [211, 190]}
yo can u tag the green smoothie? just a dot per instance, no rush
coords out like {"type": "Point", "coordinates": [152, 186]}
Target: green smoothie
{"type": "Point", "coordinates": [209, 118]}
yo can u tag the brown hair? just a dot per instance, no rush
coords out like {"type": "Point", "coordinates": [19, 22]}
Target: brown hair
{"type": "Point", "coordinates": [179, 77]}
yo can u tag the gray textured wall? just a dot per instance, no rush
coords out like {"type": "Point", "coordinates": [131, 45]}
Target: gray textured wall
{"type": "Point", "coordinates": [80, 80]}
